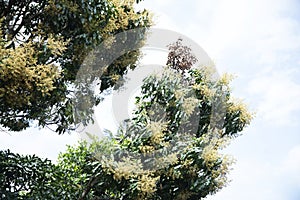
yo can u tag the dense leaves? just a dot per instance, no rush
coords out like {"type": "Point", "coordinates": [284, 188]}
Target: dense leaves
{"type": "Point", "coordinates": [29, 177]}
{"type": "Point", "coordinates": [170, 149]}
{"type": "Point", "coordinates": [77, 175]}
{"type": "Point", "coordinates": [61, 34]}
{"type": "Point", "coordinates": [176, 148]}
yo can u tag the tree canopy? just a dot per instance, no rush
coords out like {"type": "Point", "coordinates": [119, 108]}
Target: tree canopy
{"type": "Point", "coordinates": [43, 44]}
{"type": "Point", "coordinates": [169, 149]}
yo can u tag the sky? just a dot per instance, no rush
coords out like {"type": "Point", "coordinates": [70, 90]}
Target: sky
{"type": "Point", "coordinates": [259, 42]}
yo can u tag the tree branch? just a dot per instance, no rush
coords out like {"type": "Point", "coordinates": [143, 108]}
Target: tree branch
{"type": "Point", "coordinates": [93, 180]}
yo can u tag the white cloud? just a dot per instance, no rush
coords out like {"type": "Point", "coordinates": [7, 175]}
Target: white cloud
{"type": "Point", "coordinates": [253, 178]}
{"type": "Point", "coordinates": [252, 27]}
{"type": "Point", "coordinates": [291, 166]}
{"type": "Point", "coordinates": [43, 143]}
{"type": "Point", "coordinates": [277, 95]}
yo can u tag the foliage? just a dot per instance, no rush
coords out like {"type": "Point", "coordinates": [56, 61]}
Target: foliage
{"type": "Point", "coordinates": [29, 177]}
{"type": "Point", "coordinates": [170, 149]}
{"type": "Point", "coordinates": [49, 40]}
{"type": "Point", "coordinates": [26, 85]}
{"type": "Point", "coordinates": [161, 155]}
{"type": "Point", "coordinates": [75, 176]}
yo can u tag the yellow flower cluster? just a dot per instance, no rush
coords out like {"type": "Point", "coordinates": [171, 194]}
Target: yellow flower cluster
{"type": "Point", "coordinates": [129, 168]}
{"type": "Point", "coordinates": [167, 160]}
{"type": "Point", "coordinates": [226, 79]}
{"type": "Point", "coordinates": [239, 106]}
{"type": "Point", "coordinates": [115, 77]}
{"type": "Point", "coordinates": [179, 94]}
{"type": "Point", "coordinates": [126, 168]}
{"type": "Point", "coordinates": [204, 90]}
{"type": "Point", "coordinates": [147, 184]}
{"type": "Point", "coordinates": [23, 76]}
{"type": "Point", "coordinates": [220, 173]}
{"type": "Point", "coordinates": [210, 155]}
{"type": "Point", "coordinates": [56, 46]}
{"type": "Point", "coordinates": [122, 19]}
{"type": "Point", "coordinates": [146, 148]}
{"type": "Point", "coordinates": [157, 129]}
{"type": "Point", "coordinates": [189, 105]}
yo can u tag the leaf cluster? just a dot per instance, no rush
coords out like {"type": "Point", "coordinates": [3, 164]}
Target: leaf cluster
{"type": "Point", "coordinates": [79, 26]}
